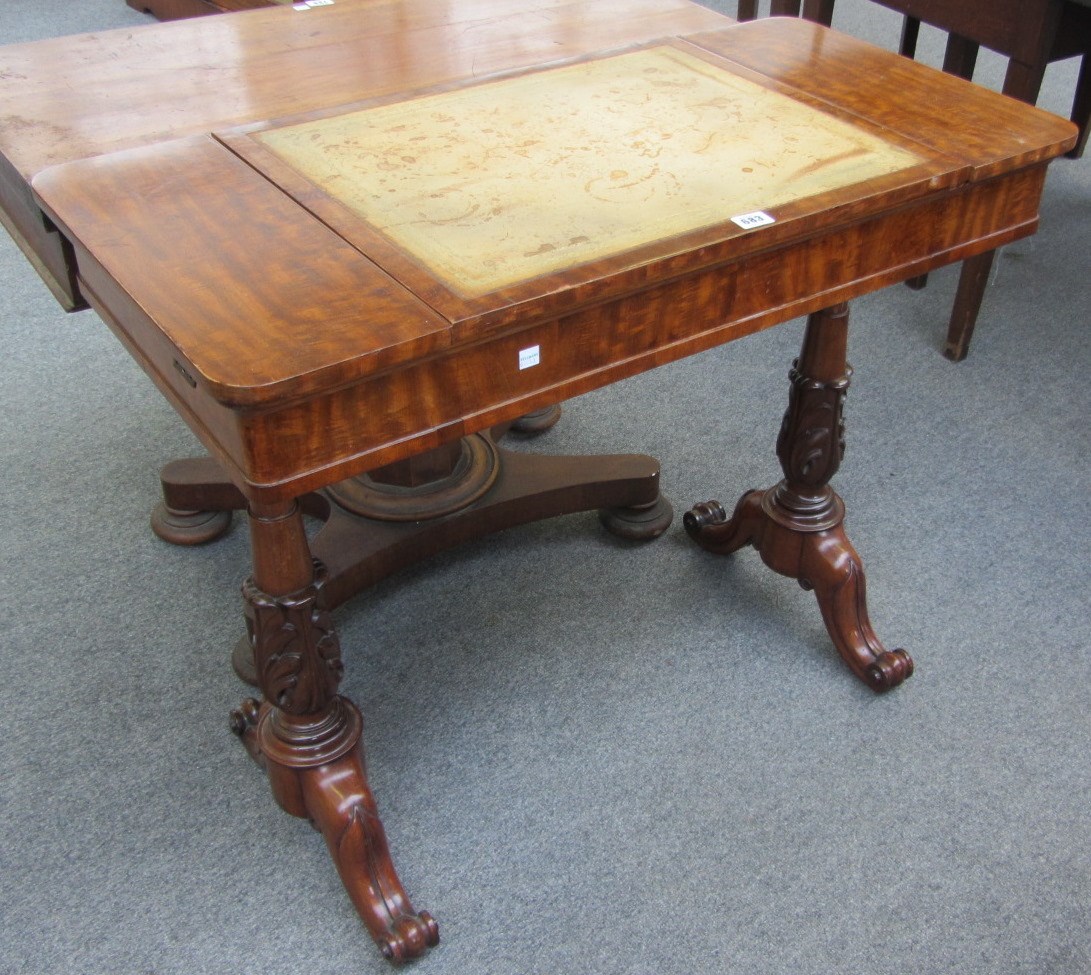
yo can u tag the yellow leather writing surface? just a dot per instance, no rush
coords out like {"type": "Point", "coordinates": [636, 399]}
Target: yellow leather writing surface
{"type": "Point", "coordinates": [497, 183]}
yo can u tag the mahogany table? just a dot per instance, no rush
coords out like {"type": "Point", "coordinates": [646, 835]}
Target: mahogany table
{"type": "Point", "coordinates": [348, 302]}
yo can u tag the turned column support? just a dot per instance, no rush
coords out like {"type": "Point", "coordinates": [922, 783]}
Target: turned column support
{"type": "Point", "coordinates": [307, 736]}
{"type": "Point", "coordinates": [796, 525]}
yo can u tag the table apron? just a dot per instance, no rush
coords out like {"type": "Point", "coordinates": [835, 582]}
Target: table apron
{"type": "Point", "coordinates": [290, 449]}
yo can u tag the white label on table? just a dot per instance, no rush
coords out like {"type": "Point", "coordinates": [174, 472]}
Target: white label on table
{"type": "Point", "coordinates": [307, 4]}
{"type": "Point", "coordinates": [748, 221]}
{"type": "Point", "coordinates": [529, 357]}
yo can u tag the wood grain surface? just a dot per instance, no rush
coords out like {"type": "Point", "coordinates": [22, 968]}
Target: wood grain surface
{"type": "Point", "coordinates": [70, 98]}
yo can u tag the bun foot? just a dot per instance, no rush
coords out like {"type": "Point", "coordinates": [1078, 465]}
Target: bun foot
{"type": "Point", "coordinates": [639, 523]}
{"type": "Point", "coordinates": [539, 421]}
{"type": "Point", "coordinates": [189, 527]}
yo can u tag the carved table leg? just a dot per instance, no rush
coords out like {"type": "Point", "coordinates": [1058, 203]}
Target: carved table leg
{"type": "Point", "coordinates": [307, 737]}
{"type": "Point", "coordinates": [796, 525]}
{"type": "Point", "coordinates": [388, 519]}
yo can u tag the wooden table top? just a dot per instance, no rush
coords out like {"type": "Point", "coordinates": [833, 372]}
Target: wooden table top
{"type": "Point", "coordinates": [77, 97]}
{"type": "Point", "coordinates": [274, 268]}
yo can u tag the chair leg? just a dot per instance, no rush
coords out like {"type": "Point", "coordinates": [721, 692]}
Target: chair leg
{"type": "Point", "coordinates": [1024, 81]}
{"type": "Point", "coordinates": [960, 58]}
{"type": "Point", "coordinates": [911, 29]}
{"type": "Point", "coordinates": [784, 8]}
{"type": "Point", "coordinates": [1081, 107]}
{"type": "Point", "coordinates": [820, 11]}
{"type": "Point", "coordinates": [748, 10]}
{"type": "Point", "coordinates": [971, 291]}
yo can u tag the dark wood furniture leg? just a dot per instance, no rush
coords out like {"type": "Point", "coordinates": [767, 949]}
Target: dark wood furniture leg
{"type": "Point", "coordinates": [960, 56]}
{"type": "Point", "coordinates": [307, 737]}
{"type": "Point", "coordinates": [1081, 107]}
{"type": "Point", "coordinates": [796, 526]}
{"type": "Point", "coordinates": [784, 8]}
{"type": "Point", "coordinates": [303, 733]}
{"type": "Point", "coordinates": [972, 281]}
{"type": "Point", "coordinates": [748, 10]}
{"type": "Point", "coordinates": [389, 519]}
{"type": "Point", "coordinates": [1022, 81]}
{"type": "Point", "coordinates": [911, 32]}
{"type": "Point", "coordinates": [1050, 32]}
{"type": "Point", "coordinates": [820, 11]}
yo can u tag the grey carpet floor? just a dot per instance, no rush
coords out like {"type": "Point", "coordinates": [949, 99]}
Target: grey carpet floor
{"type": "Point", "coordinates": [590, 756]}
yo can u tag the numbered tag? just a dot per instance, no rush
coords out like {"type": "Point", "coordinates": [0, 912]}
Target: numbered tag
{"type": "Point", "coordinates": [530, 357]}
{"type": "Point", "coordinates": [748, 221]}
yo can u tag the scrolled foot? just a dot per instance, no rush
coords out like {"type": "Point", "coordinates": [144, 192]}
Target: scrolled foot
{"type": "Point", "coordinates": [888, 670]}
{"type": "Point", "coordinates": [832, 567]}
{"type": "Point", "coordinates": [317, 772]}
{"type": "Point", "coordinates": [703, 515]}
{"type": "Point", "coordinates": [796, 526]}
{"type": "Point", "coordinates": [410, 938]}
{"type": "Point", "coordinates": [245, 717]}
{"type": "Point", "coordinates": [339, 803]}
{"type": "Point", "coordinates": [708, 525]}
{"type": "Point", "coordinates": [243, 722]}
{"type": "Point", "coordinates": [639, 523]}
{"type": "Point", "coordinates": [189, 527]}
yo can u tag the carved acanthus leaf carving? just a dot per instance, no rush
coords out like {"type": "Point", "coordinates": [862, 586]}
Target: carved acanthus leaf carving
{"type": "Point", "coordinates": [812, 435]}
{"type": "Point", "coordinates": [296, 651]}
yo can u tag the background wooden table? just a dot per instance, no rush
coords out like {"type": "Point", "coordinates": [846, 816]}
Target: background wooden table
{"type": "Point", "coordinates": [181, 9]}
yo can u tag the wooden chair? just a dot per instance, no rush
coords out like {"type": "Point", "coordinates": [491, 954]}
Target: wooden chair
{"type": "Point", "coordinates": [1031, 34]}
